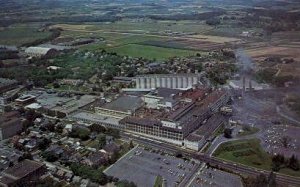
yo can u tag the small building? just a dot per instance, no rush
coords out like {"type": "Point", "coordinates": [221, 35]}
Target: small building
{"type": "Point", "coordinates": [194, 142]}
{"type": "Point", "coordinates": [96, 159]}
{"type": "Point", "coordinates": [111, 149]}
{"type": "Point", "coordinates": [41, 52]}
{"type": "Point", "coordinates": [25, 100]}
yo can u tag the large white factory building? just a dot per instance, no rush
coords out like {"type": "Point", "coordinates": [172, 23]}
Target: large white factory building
{"type": "Point", "coordinates": [167, 81]}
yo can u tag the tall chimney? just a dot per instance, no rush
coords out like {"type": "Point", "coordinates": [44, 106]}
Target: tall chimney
{"type": "Point", "coordinates": [250, 85]}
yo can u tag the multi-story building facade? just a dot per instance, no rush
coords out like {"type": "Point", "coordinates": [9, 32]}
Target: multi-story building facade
{"type": "Point", "coordinates": [10, 125]}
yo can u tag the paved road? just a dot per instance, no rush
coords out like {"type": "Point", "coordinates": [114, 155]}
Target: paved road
{"type": "Point", "coordinates": [286, 116]}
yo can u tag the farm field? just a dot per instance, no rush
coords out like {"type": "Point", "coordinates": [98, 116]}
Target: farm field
{"type": "Point", "coordinates": [153, 26]}
{"type": "Point", "coordinates": [281, 44]}
{"type": "Point", "coordinates": [250, 153]}
{"type": "Point", "coordinates": [21, 34]}
{"type": "Point", "coordinates": [279, 51]}
{"type": "Point", "coordinates": [127, 38]}
{"type": "Point", "coordinates": [150, 52]}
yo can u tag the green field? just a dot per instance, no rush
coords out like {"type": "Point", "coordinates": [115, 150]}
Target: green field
{"type": "Point", "coordinates": [150, 52]}
{"type": "Point", "coordinates": [21, 34]}
{"type": "Point", "coordinates": [158, 181]}
{"type": "Point", "coordinates": [135, 39]}
{"type": "Point", "coordinates": [250, 153]}
{"type": "Point", "coordinates": [153, 26]}
{"type": "Point", "coordinates": [248, 131]}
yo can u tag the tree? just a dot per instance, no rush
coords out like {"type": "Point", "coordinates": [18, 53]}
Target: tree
{"type": "Point", "coordinates": [113, 132]}
{"type": "Point", "coordinates": [97, 128]}
{"type": "Point", "coordinates": [50, 156]}
{"type": "Point", "coordinates": [131, 144]}
{"type": "Point", "coordinates": [125, 183]}
{"type": "Point", "coordinates": [81, 133]}
{"type": "Point", "coordinates": [95, 175]}
{"type": "Point", "coordinates": [227, 133]}
{"type": "Point", "coordinates": [293, 163]}
{"type": "Point", "coordinates": [213, 21]}
{"type": "Point", "coordinates": [272, 179]}
{"type": "Point", "coordinates": [44, 143]}
{"type": "Point", "coordinates": [178, 154]}
{"type": "Point", "coordinates": [277, 161]}
{"type": "Point", "coordinates": [26, 155]}
{"type": "Point", "coordinates": [261, 180]}
{"type": "Point", "coordinates": [285, 141]}
{"type": "Point", "coordinates": [102, 140]}
{"type": "Point", "coordinates": [56, 85]}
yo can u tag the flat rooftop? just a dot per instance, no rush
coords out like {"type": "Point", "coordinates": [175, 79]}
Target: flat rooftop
{"type": "Point", "coordinates": [95, 118]}
{"type": "Point", "coordinates": [124, 103]}
{"type": "Point", "coordinates": [165, 92]}
{"type": "Point", "coordinates": [23, 168]}
{"type": "Point", "coordinates": [63, 104]}
{"type": "Point", "coordinates": [211, 125]}
{"type": "Point", "coordinates": [5, 82]}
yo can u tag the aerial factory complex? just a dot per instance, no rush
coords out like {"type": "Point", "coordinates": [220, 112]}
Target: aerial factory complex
{"type": "Point", "coordinates": [150, 93]}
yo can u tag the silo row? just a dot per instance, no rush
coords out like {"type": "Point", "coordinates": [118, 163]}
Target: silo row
{"type": "Point", "coordinates": [165, 82]}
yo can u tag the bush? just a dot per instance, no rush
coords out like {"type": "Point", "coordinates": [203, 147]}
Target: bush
{"type": "Point", "coordinates": [95, 175]}
{"type": "Point", "coordinates": [242, 153]}
{"type": "Point", "coordinates": [125, 183]}
{"type": "Point", "coordinates": [81, 133]}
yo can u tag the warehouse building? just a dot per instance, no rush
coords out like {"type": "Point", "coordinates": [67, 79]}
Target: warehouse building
{"type": "Point", "coordinates": [41, 52]}
{"type": "Point", "coordinates": [92, 118]}
{"type": "Point", "coordinates": [25, 173]}
{"type": "Point", "coordinates": [176, 125]}
{"type": "Point", "coordinates": [7, 84]}
{"type": "Point", "coordinates": [120, 108]}
{"type": "Point", "coordinates": [161, 98]}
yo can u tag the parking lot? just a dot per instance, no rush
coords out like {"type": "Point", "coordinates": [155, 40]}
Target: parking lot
{"type": "Point", "coordinates": [143, 166]}
{"type": "Point", "coordinates": [282, 139]}
{"type": "Point", "coordinates": [212, 177]}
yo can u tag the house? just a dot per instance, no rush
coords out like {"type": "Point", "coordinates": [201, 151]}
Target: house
{"type": "Point", "coordinates": [111, 149]}
{"type": "Point", "coordinates": [56, 150]}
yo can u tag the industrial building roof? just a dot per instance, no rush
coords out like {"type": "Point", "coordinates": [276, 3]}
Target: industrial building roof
{"type": "Point", "coordinates": [211, 125]}
{"type": "Point", "coordinates": [38, 50]}
{"type": "Point", "coordinates": [193, 138]}
{"type": "Point", "coordinates": [124, 103]}
{"type": "Point", "coordinates": [95, 118]}
{"type": "Point", "coordinates": [166, 92]}
{"type": "Point", "coordinates": [23, 168]}
{"type": "Point", "coordinates": [5, 82]}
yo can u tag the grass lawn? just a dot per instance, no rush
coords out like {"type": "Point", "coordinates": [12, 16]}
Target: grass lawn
{"type": "Point", "coordinates": [150, 52]}
{"type": "Point", "coordinates": [93, 144]}
{"type": "Point", "coordinates": [21, 34]}
{"type": "Point", "coordinates": [158, 181]}
{"type": "Point", "coordinates": [249, 152]}
{"type": "Point", "coordinates": [248, 131]}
